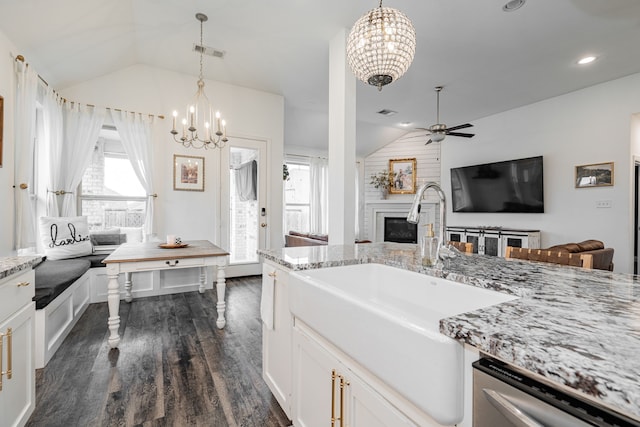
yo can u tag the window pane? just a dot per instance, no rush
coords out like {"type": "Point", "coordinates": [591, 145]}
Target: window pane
{"type": "Point", "coordinates": [244, 217]}
{"type": "Point", "coordinates": [297, 218]}
{"type": "Point", "coordinates": [110, 176]}
{"type": "Point", "coordinates": [104, 214]}
{"type": "Point", "coordinates": [298, 185]}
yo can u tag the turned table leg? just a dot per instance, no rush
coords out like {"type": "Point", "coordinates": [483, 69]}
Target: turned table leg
{"type": "Point", "coordinates": [128, 296]}
{"type": "Point", "coordinates": [221, 305]}
{"type": "Point", "coordinates": [113, 298]}
{"type": "Point", "coordinates": [203, 278]}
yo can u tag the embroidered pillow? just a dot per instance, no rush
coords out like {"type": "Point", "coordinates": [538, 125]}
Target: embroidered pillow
{"type": "Point", "coordinates": [65, 237]}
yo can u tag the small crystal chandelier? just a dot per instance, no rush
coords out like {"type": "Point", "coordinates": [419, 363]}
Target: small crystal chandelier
{"type": "Point", "coordinates": [200, 112]}
{"type": "Point", "coordinates": [381, 46]}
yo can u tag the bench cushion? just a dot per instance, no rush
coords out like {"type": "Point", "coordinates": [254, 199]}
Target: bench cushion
{"type": "Point", "coordinates": [54, 276]}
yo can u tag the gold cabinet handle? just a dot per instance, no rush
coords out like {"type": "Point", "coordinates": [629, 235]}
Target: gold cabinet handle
{"type": "Point", "coordinates": [343, 383]}
{"type": "Point", "coordinates": [21, 284]}
{"type": "Point", "coordinates": [334, 375]}
{"type": "Point", "coordinates": [9, 353]}
{"type": "Point", "coordinates": [273, 274]}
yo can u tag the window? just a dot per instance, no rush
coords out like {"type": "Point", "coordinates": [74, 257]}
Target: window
{"type": "Point", "coordinates": [296, 198]}
{"type": "Point", "coordinates": [111, 194]}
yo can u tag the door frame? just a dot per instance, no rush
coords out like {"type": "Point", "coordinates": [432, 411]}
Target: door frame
{"type": "Point", "coordinates": [261, 145]}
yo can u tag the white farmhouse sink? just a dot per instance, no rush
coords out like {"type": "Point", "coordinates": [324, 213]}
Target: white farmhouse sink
{"type": "Point", "coordinates": [386, 318]}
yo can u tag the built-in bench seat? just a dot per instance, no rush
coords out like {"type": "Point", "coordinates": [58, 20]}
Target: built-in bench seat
{"type": "Point", "coordinates": [54, 277]}
{"type": "Point", "coordinates": [62, 295]}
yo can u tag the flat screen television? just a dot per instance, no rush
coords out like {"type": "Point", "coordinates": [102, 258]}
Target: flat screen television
{"type": "Point", "coordinates": [512, 186]}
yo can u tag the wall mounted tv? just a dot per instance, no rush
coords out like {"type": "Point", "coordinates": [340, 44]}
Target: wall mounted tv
{"type": "Point", "coordinates": [512, 186]}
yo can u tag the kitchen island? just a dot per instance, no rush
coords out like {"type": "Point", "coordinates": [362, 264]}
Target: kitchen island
{"type": "Point", "coordinates": [576, 328]}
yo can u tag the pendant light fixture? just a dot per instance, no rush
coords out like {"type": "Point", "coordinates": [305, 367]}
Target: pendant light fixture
{"type": "Point", "coordinates": [201, 127]}
{"type": "Point", "coordinates": [381, 46]}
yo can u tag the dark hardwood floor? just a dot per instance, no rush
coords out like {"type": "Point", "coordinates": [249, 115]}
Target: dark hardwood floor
{"type": "Point", "coordinates": [174, 367]}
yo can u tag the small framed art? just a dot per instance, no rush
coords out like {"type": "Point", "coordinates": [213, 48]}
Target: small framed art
{"type": "Point", "coordinates": [188, 173]}
{"type": "Point", "coordinates": [404, 176]}
{"type": "Point", "coordinates": [595, 175]}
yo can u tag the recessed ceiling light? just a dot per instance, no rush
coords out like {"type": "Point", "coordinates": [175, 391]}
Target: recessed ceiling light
{"type": "Point", "coordinates": [586, 60]}
{"type": "Point", "coordinates": [405, 124]}
{"type": "Point", "coordinates": [513, 5]}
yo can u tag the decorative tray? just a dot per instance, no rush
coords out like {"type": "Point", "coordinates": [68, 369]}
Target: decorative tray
{"type": "Point", "coordinates": [167, 246]}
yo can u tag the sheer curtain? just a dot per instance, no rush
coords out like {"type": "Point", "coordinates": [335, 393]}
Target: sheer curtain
{"type": "Point", "coordinates": [52, 147]}
{"type": "Point", "coordinates": [135, 131]}
{"type": "Point", "coordinates": [25, 132]}
{"type": "Point", "coordinates": [319, 197]}
{"type": "Point", "coordinates": [81, 130]}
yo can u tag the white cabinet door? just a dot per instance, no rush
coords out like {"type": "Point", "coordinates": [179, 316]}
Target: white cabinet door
{"type": "Point", "coordinates": [314, 386]}
{"type": "Point", "coordinates": [327, 390]}
{"type": "Point", "coordinates": [18, 397]}
{"type": "Point", "coordinates": [366, 408]}
{"type": "Point", "coordinates": [276, 342]}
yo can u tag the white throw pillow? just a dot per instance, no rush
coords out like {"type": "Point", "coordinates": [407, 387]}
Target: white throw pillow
{"type": "Point", "coordinates": [65, 237]}
{"type": "Point", "coordinates": [134, 234]}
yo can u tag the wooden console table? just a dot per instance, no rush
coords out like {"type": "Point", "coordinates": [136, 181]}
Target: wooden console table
{"type": "Point", "coordinates": [135, 257]}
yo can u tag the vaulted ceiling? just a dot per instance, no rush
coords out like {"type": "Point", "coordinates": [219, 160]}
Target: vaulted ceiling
{"type": "Point", "coordinates": [488, 60]}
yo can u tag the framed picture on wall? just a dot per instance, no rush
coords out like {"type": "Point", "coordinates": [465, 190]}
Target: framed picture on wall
{"type": "Point", "coordinates": [188, 173]}
{"type": "Point", "coordinates": [404, 176]}
{"type": "Point", "coordinates": [595, 175]}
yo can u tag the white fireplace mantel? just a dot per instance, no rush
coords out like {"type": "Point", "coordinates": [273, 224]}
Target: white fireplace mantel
{"type": "Point", "coordinates": [377, 210]}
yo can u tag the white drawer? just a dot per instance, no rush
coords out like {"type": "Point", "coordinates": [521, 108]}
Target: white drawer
{"type": "Point", "coordinates": [16, 291]}
{"type": "Point", "coordinates": [163, 264]}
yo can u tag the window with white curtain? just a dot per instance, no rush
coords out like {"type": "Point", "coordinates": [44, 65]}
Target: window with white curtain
{"type": "Point", "coordinates": [306, 196]}
{"type": "Point", "coordinates": [111, 194]}
{"type": "Point", "coordinates": [297, 197]}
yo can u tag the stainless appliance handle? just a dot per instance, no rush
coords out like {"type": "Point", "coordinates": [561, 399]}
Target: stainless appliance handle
{"type": "Point", "coordinates": [509, 410]}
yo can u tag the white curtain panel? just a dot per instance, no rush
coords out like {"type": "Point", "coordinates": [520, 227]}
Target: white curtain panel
{"type": "Point", "coordinates": [319, 198]}
{"type": "Point", "coordinates": [82, 124]}
{"type": "Point", "coordinates": [52, 147]}
{"type": "Point", "coordinates": [135, 130]}
{"type": "Point", "coordinates": [24, 132]}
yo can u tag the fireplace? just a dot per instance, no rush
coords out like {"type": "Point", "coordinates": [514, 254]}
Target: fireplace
{"type": "Point", "coordinates": [399, 230]}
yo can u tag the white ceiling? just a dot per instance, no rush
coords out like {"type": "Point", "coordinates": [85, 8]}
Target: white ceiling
{"type": "Point", "coordinates": [489, 61]}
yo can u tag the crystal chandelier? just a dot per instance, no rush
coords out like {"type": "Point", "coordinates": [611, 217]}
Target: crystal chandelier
{"type": "Point", "coordinates": [200, 113]}
{"type": "Point", "coordinates": [381, 46]}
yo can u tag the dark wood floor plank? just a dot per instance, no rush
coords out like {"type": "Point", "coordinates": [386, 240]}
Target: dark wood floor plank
{"type": "Point", "coordinates": [174, 366]}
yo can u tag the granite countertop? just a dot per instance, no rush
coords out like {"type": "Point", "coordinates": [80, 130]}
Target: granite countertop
{"type": "Point", "coordinates": [575, 327]}
{"type": "Point", "coordinates": [14, 264]}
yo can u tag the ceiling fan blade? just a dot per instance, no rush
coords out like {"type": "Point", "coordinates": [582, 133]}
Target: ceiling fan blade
{"type": "Point", "coordinates": [427, 129]}
{"type": "Point", "coordinates": [466, 125]}
{"type": "Point", "coordinates": [463, 135]}
{"type": "Point", "coordinates": [428, 142]}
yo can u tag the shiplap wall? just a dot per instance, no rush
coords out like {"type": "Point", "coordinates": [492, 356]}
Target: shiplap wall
{"type": "Point", "coordinates": [409, 146]}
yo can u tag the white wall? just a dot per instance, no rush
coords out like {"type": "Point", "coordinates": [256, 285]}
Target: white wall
{"type": "Point", "coordinates": [249, 113]}
{"type": "Point", "coordinates": [410, 146]}
{"type": "Point", "coordinates": [592, 125]}
{"type": "Point", "coordinates": [6, 171]}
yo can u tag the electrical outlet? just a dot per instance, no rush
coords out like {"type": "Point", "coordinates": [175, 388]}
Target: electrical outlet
{"type": "Point", "coordinates": [603, 203]}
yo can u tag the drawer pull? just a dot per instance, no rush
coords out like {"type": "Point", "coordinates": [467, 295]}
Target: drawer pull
{"type": "Point", "coordinates": [21, 284]}
{"type": "Point", "coordinates": [273, 274]}
{"type": "Point", "coordinates": [169, 263]}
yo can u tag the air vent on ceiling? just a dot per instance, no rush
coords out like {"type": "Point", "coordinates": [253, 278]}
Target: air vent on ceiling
{"type": "Point", "coordinates": [386, 112]}
{"type": "Point", "coordinates": [207, 50]}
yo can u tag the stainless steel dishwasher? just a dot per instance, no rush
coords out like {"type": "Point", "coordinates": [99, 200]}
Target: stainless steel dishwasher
{"type": "Point", "coordinates": [503, 397]}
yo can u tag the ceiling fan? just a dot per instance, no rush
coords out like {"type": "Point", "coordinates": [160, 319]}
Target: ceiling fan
{"type": "Point", "coordinates": [439, 131]}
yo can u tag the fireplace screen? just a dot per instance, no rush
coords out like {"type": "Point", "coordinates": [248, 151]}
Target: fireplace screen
{"type": "Point", "coordinates": [400, 231]}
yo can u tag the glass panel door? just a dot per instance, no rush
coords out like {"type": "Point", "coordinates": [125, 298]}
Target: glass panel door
{"type": "Point", "coordinates": [244, 215]}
